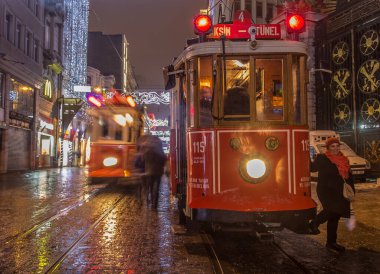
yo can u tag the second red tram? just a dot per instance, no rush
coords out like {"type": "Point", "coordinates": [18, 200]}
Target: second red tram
{"type": "Point", "coordinates": [239, 149]}
{"type": "Point", "coordinates": [116, 126]}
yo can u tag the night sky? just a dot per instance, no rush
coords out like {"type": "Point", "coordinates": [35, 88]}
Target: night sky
{"type": "Point", "coordinates": [156, 31]}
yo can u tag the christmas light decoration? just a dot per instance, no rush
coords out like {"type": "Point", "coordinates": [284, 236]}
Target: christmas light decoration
{"type": "Point", "coordinates": [148, 97]}
{"type": "Point", "coordinates": [75, 46]}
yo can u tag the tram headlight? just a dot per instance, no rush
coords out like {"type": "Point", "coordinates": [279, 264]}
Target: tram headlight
{"type": "Point", "coordinates": [253, 168]}
{"type": "Point", "coordinates": [256, 168]}
{"type": "Point", "coordinates": [110, 161]}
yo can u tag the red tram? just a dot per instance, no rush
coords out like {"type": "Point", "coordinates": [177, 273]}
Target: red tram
{"type": "Point", "coordinates": [116, 126]}
{"type": "Point", "coordinates": [239, 150]}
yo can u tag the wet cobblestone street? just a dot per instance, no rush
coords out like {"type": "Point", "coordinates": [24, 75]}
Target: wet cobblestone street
{"type": "Point", "coordinates": [54, 221]}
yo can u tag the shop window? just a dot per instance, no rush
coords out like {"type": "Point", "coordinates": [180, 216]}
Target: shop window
{"type": "Point", "coordinates": [45, 145]}
{"type": "Point", "coordinates": [269, 89]}
{"type": "Point", "coordinates": [21, 98]}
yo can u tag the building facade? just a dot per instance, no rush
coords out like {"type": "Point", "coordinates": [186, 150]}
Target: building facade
{"type": "Point", "coordinates": [109, 54]}
{"type": "Point", "coordinates": [348, 97]}
{"type": "Point", "coordinates": [21, 66]}
{"type": "Point", "coordinates": [75, 29]}
{"type": "Point", "coordinates": [48, 118]}
{"type": "Point", "coordinates": [262, 11]}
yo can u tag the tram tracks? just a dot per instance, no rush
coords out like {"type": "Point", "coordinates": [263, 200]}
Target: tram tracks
{"type": "Point", "coordinates": [49, 246]}
{"type": "Point", "coordinates": [276, 258]}
{"type": "Point", "coordinates": [55, 265]}
{"type": "Point", "coordinates": [43, 222]}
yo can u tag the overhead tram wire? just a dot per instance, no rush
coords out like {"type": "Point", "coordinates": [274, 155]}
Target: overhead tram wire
{"type": "Point", "coordinates": [108, 35]}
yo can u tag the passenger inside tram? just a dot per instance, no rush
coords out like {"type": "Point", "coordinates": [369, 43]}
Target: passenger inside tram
{"type": "Point", "coordinates": [236, 101]}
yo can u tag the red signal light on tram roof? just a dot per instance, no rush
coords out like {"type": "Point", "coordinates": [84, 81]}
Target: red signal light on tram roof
{"type": "Point", "coordinates": [202, 24]}
{"type": "Point", "coordinates": [130, 101]}
{"type": "Point", "coordinates": [94, 101]}
{"type": "Point", "coordinates": [295, 23]}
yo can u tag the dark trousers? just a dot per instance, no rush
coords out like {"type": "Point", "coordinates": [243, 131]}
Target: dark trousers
{"type": "Point", "coordinates": [150, 189]}
{"type": "Point", "coordinates": [332, 224]}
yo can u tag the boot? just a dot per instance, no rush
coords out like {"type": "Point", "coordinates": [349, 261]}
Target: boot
{"type": "Point", "coordinates": [336, 247]}
{"type": "Point", "coordinates": [313, 228]}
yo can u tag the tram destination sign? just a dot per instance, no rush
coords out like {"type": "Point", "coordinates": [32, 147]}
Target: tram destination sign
{"type": "Point", "coordinates": [241, 26]}
{"type": "Point", "coordinates": [231, 31]}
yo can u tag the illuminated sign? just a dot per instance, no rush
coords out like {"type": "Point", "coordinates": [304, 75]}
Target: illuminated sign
{"type": "Point", "coordinates": [48, 88]}
{"type": "Point", "coordinates": [44, 124]}
{"type": "Point", "coordinates": [230, 31]}
{"type": "Point", "coordinates": [239, 29]}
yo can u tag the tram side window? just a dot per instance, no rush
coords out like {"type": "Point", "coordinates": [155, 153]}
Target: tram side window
{"type": "Point", "coordinates": [236, 96]}
{"type": "Point", "coordinates": [190, 92]}
{"type": "Point", "coordinates": [118, 133]}
{"type": "Point", "coordinates": [205, 91]}
{"type": "Point", "coordinates": [105, 129]}
{"type": "Point", "coordinates": [269, 89]}
{"type": "Point", "coordinates": [296, 85]}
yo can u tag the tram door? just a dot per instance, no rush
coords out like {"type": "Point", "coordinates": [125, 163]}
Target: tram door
{"type": "Point", "coordinates": [181, 164]}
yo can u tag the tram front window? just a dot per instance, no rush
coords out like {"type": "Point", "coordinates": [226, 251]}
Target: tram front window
{"type": "Point", "coordinates": [205, 91]}
{"type": "Point", "coordinates": [236, 96]}
{"type": "Point", "coordinates": [269, 89]}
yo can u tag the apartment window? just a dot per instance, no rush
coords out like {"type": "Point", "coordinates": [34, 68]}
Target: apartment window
{"type": "Point", "coordinates": [47, 35]}
{"type": "Point", "coordinates": [269, 12]}
{"type": "Point", "coordinates": [37, 8]}
{"type": "Point", "coordinates": [28, 41]}
{"type": "Point", "coordinates": [57, 38]}
{"type": "Point", "coordinates": [2, 86]}
{"type": "Point", "coordinates": [259, 10]}
{"type": "Point", "coordinates": [18, 35]}
{"type": "Point", "coordinates": [8, 26]}
{"type": "Point", "coordinates": [36, 50]}
{"type": "Point", "coordinates": [89, 80]}
{"type": "Point", "coordinates": [248, 7]}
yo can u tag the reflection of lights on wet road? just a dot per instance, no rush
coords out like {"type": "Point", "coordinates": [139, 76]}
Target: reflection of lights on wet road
{"type": "Point", "coordinates": [110, 228]}
{"type": "Point", "coordinates": [164, 234]}
{"type": "Point", "coordinates": [42, 253]}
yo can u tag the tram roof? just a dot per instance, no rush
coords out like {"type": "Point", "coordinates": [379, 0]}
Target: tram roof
{"type": "Point", "coordinates": [242, 47]}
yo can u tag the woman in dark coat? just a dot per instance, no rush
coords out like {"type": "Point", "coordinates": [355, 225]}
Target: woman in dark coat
{"type": "Point", "coordinates": [333, 169]}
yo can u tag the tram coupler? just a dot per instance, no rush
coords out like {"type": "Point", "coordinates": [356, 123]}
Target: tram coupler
{"type": "Point", "coordinates": [263, 231]}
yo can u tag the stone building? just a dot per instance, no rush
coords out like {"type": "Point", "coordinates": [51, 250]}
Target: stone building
{"type": "Point", "coordinates": [21, 80]}
{"type": "Point", "coordinates": [109, 54]}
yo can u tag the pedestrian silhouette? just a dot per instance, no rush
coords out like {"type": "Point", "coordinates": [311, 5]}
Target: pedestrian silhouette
{"type": "Point", "coordinates": [151, 160]}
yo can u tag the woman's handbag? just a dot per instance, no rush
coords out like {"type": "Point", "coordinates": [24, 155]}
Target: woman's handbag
{"type": "Point", "coordinates": [348, 192]}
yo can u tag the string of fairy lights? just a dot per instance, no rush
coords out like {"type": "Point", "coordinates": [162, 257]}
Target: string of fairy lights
{"type": "Point", "coordinates": [75, 32]}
